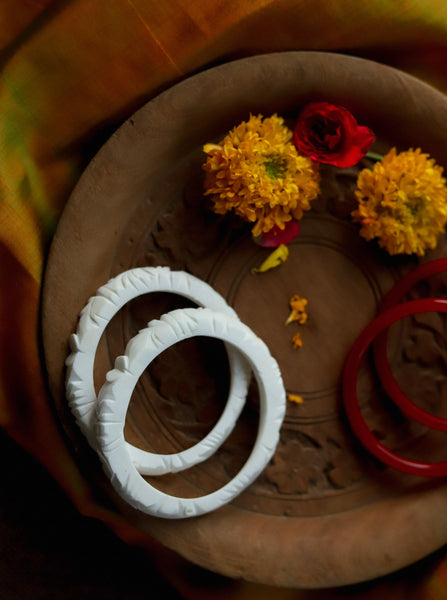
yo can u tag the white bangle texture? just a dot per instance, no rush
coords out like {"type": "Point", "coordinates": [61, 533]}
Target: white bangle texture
{"type": "Point", "coordinates": [115, 394]}
{"type": "Point", "coordinates": [94, 318]}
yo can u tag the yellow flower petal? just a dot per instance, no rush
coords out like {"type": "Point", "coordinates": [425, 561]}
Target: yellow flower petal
{"type": "Point", "coordinates": [274, 259]}
{"type": "Point", "coordinates": [295, 398]}
{"type": "Point", "coordinates": [297, 342]}
{"type": "Point", "coordinates": [298, 313]}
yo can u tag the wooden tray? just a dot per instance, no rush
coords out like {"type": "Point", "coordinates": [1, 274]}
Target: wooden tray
{"type": "Point", "coordinates": [323, 513]}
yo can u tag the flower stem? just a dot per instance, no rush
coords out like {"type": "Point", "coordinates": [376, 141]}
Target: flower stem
{"type": "Point", "coordinates": [374, 155]}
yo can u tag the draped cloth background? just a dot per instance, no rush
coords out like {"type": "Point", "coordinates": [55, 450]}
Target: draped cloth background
{"type": "Point", "coordinates": [71, 72]}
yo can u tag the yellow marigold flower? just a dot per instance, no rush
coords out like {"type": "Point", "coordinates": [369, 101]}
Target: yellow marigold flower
{"type": "Point", "coordinates": [402, 202]}
{"type": "Point", "coordinates": [257, 172]}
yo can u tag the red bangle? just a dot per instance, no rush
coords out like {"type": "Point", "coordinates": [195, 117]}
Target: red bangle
{"type": "Point", "coordinates": [434, 267]}
{"type": "Point", "coordinates": [352, 365]}
{"type": "Point", "coordinates": [386, 376]}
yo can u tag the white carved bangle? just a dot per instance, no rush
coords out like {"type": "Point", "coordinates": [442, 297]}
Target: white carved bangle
{"type": "Point", "coordinates": [95, 316]}
{"type": "Point", "coordinates": [114, 398]}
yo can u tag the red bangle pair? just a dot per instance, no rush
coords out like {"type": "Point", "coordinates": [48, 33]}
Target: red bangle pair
{"type": "Point", "coordinates": [375, 332]}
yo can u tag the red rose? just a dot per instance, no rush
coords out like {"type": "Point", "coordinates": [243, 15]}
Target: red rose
{"type": "Point", "coordinates": [330, 134]}
{"type": "Point", "coordinates": [276, 236]}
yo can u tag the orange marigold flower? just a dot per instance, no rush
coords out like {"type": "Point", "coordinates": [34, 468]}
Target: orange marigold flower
{"type": "Point", "coordinates": [402, 202]}
{"type": "Point", "coordinates": [257, 172]}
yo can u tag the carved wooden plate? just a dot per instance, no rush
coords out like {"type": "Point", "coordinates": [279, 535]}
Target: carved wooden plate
{"type": "Point", "coordinates": [323, 513]}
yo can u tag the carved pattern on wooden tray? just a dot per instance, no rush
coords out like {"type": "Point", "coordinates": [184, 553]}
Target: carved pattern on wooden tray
{"type": "Point", "coordinates": [318, 467]}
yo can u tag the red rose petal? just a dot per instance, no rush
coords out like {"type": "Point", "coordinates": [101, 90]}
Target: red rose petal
{"type": "Point", "coordinates": [276, 236]}
{"type": "Point", "coordinates": [330, 134]}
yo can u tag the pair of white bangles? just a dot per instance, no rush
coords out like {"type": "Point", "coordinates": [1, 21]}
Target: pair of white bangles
{"type": "Point", "coordinates": [101, 417]}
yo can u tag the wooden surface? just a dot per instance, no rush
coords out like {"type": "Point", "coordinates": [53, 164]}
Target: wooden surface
{"type": "Point", "coordinates": [323, 513]}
